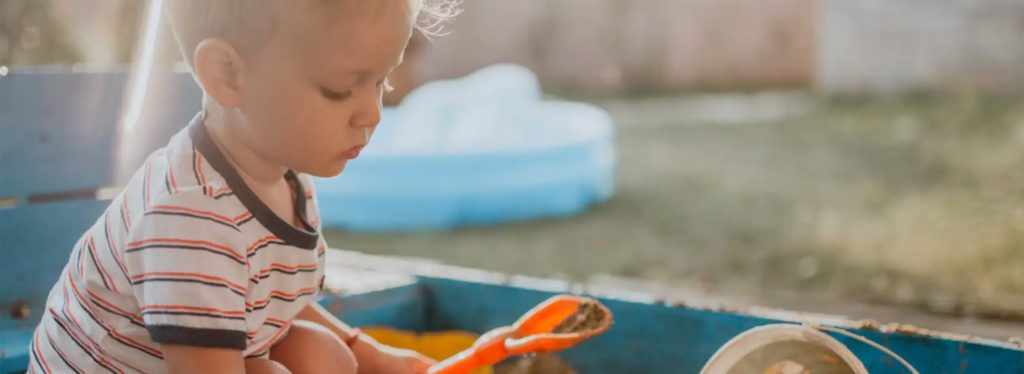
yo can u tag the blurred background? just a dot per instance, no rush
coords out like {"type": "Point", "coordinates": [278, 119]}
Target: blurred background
{"type": "Point", "coordinates": [864, 158]}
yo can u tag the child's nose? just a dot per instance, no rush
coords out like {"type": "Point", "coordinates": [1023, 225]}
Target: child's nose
{"type": "Point", "coordinates": [367, 112]}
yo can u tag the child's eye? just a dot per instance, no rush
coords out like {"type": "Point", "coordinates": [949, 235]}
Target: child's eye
{"type": "Point", "coordinates": [334, 95]}
{"type": "Point", "coordinates": [386, 85]}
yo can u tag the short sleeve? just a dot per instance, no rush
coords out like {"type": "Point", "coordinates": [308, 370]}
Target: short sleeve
{"type": "Point", "coordinates": [189, 272]}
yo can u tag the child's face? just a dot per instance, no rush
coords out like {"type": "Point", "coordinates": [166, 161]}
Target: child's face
{"type": "Point", "coordinates": [312, 94]}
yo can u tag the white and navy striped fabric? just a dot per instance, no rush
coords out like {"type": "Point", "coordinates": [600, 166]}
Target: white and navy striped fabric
{"type": "Point", "coordinates": [186, 254]}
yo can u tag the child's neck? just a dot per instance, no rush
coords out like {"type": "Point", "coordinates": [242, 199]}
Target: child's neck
{"type": "Point", "coordinates": [254, 169]}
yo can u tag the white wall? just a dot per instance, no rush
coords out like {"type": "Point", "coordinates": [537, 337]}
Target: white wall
{"type": "Point", "coordinates": [626, 44]}
{"type": "Point", "coordinates": [900, 45]}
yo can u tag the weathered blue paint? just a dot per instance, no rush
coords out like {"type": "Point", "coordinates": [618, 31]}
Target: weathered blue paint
{"type": "Point", "coordinates": [659, 338]}
{"type": "Point", "coordinates": [14, 349]}
{"type": "Point", "coordinates": [36, 241]}
{"type": "Point", "coordinates": [57, 131]}
{"type": "Point", "coordinates": [60, 128]}
{"type": "Point", "coordinates": [403, 307]}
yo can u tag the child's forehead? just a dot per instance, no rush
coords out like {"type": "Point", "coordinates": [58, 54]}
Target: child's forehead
{"type": "Point", "coordinates": [344, 17]}
{"type": "Point", "coordinates": [360, 32]}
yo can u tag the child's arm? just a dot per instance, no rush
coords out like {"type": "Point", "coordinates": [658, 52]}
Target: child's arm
{"type": "Point", "coordinates": [187, 359]}
{"type": "Point", "coordinates": [372, 356]}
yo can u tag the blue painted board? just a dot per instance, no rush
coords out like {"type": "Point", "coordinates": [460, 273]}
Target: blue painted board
{"type": "Point", "coordinates": [403, 307]}
{"type": "Point", "coordinates": [657, 338]}
{"type": "Point", "coordinates": [58, 130]}
{"type": "Point", "coordinates": [35, 242]}
{"type": "Point", "coordinates": [14, 349]}
{"type": "Point", "coordinates": [646, 338]}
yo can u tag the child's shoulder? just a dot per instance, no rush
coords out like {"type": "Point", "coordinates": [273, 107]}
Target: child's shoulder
{"type": "Point", "coordinates": [177, 185]}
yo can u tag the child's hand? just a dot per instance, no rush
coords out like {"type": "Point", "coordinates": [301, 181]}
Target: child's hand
{"type": "Point", "coordinates": [394, 360]}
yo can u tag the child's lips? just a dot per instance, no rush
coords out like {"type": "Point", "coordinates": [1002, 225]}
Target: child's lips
{"type": "Point", "coordinates": [353, 152]}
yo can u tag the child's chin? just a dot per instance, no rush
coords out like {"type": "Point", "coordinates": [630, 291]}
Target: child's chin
{"type": "Point", "coordinates": [328, 170]}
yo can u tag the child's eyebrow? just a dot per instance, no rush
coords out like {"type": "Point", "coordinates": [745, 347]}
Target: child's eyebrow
{"type": "Point", "coordinates": [359, 74]}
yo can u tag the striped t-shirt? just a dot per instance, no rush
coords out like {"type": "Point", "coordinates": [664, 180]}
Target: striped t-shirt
{"type": "Point", "coordinates": [186, 254]}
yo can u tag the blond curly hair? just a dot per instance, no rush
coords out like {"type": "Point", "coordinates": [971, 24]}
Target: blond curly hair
{"type": "Point", "coordinates": [246, 23]}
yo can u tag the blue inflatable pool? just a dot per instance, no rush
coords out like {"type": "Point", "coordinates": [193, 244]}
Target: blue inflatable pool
{"type": "Point", "coordinates": [483, 149]}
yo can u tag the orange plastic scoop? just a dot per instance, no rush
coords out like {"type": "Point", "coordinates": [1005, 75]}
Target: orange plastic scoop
{"type": "Point", "coordinates": [556, 324]}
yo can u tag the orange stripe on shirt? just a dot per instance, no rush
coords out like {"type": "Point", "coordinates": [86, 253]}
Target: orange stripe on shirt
{"type": "Point", "coordinates": [97, 350]}
{"type": "Point", "coordinates": [61, 354]}
{"type": "Point", "coordinates": [81, 262]}
{"type": "Point", "coordinates": [264, 273]}
{"type": "Point", "coordinates": [171, 241]}
{"type": "Point", "coordinates": [277, 321]}
{"type": "Point", "coordinates": [110, 305]}
{"type": "Point", "coordinates": [99, 264]}
{"type": "Point", "coordinates": [198, 166]}
{"type": "Point", "coordinates": [142, 276]}
{"type": "Point", "coordinates": [111, 331]}
{"type": "Point", "coordinates": [39, 356]}
{"type": "Point", "coordinates": [112, 247]}
{"type": "Point", "coordinates": [303, 292]}
{"type": "Point", "coordinates": [222, 190]}
{"type": "Point", "coordinates": [126, 212]}
{"type": "Point", "coordinates": [277, 266]}
{"type": "Point", "coordinates": [242, 217]}
{"type": "Point", "coordinates": [261, 241]}
{"type": "Point", "coordinates": [171, 208]}
{"type": "Point", "coordinates": [170, 170]}
{"type": "Point", "coordinates": [145, 185]}
{"type": "Point", "coordinates": [290, 295]}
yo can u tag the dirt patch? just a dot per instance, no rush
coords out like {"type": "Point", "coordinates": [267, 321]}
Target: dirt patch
{"type": "Point", "coordinates": [588, 317]}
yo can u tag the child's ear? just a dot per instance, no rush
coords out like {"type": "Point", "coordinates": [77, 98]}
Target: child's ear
{"type": "Point", "coordinates": [219, 70]}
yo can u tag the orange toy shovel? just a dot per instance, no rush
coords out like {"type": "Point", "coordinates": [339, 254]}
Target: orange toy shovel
{"type": "Point", "coordinates": [556, 324]}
